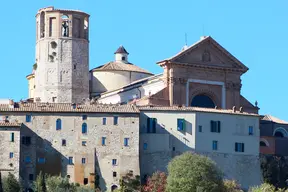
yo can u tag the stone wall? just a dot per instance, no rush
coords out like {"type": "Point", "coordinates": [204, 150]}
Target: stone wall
{"type": "Point", "coordinates": [46, 143]}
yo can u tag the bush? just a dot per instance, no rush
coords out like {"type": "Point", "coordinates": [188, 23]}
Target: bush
{"type": "Point", "coordinates": [156, 183]}
{"type": "Point", "coordinates": [11, 184]}
{"type": "Point", "coordinates": [193, 173]}
{"type": "Point", "coordinates": [231, 186]}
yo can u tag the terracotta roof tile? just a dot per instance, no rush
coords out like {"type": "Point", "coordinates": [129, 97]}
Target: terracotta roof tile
{"type": "Point", "coordinates": [8, 124]}
{"type": "Point", "coordinates": [67, 107]}
{"type": "Point", "coordinates": [274, 119]}
{"type": "Point", "coordinates": [120, 66]}
{"type": "Point", "coordinates": [194, 109]}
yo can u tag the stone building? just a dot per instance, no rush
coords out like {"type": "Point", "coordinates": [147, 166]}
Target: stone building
{"type": "Point", "coordinates": [274, 136]}
{"type": "Point", "coordinates": [77, 141]}
{"type": "Point", "coordinates": [9, 147]}
{"type": "Point", "coordinates": [229, 137]}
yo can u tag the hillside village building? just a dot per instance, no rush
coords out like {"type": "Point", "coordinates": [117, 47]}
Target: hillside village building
{"type": "Point", "coordinates": [81, 123]}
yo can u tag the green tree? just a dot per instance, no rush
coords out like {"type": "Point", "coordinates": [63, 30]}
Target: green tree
{"type": "Point", "coordinates": [231, 186]}
{"type": "Point", "coordinates": [11, 184]}
{"type": "Point", "coordinates": [40, 184]}
{"type": "Point", "coordinates": [190, 172]}
{"type": "Point", "coordinates": [130, 183]}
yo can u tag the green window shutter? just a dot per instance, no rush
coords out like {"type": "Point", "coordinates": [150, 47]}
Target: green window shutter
{"type": "Point", "coordinates": [184, 124]}
{"type": "Point", "coordinates": [219, 126]}
{"type": "Point", "coordinates": [154, 125]}
{"type": "Point", "coordinates": [211, 126]}
{"type": "Point", "coordinates": [12, 137]}
{"type": "Point", "coordinates": [235, 146]}
{"type": "Point", "coordinates": [242, 147]}
{"type": "Point", "coordinates": [148, 125]}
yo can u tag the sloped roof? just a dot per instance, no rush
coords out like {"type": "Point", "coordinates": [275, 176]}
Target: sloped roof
{"type": "Point", "coordinates": [120, 66]}
{"type": "Point", "coordinates": [121, 49]}
{"type": "Point", "coordinates": [274, 119]}
{"type": "Point", "coordinates": [201, 41]}
{"type": "Point", "coordinates": [67, 107]}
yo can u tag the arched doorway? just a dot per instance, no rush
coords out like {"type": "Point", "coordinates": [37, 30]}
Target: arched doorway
{"type": "Point", "coordinates": [202, 101]}
{"type": "Point", "coordinates": [114, 187]}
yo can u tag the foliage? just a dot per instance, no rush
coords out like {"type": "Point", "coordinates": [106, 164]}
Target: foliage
{"type": "Point", "coordinates": [156, 183]}
{"type": "Point", "coordinates": [35, 66]}
{"type": "Point", "coordinates": [266, 187]}
{"type": "Point", "coordinates": [275, 170]}
{"type": "Point", "coordinates": [129, 183]}
{"type": "Point", "coordinates": [11, 184]}
{"type": "Point", "coordinates": [1, 188]}
{"type": "Point", "coordinates": [190, 172]}
{"type": "Point", "coordinates": [231, 186]}
{"type": "Point", "coordinates": [39, 183]}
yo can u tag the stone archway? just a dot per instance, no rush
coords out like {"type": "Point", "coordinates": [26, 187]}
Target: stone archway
{"type": "Point", "coordinates": [202, 100]}
{"type": "Point", "coordinates": [280, 132]}
{"type": "Point", "coordinates": [114, 187]}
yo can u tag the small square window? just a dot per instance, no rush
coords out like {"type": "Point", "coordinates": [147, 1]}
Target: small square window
{"type": "Point", "coordinates": [12, 137]}
{"type": "Point", "coordinates": [145, 146]}
{"type": "Point", "coordinates": [215, 145]}
{"type": "Point", "coordinates": [251, 131]}
{"type": "Point", "coordinates": [28, 118]}
{"type": "Point", "coordinates": [83, 160]}
{"type": "Point", "coordinates": [114, 174]}
{"type": "Point", "coordinates": [26, 140]}
{"type": "Point", "coordinates": [104, 121]}
{"type": "Point", "coordinates": [103, 141]}
{"type": "Point", "coordinates": [31, 177]}
{"type": "Point", "coordinates": [84, 117]}
{"type": "Point", "coordinates": [70, 160]}
{"type": "Point", "coordinates": [123, 58]}
{"type": "Point", "coordinates": [115, 120]}
{"type": "Point", "coordinates": [85, 182]}
{"type": "Point", "coordinates": [173, 148]}
{"type": "Point", "coordinates": [41, 160]}
{"type": "Point", "coordinates": [114, 161]}
{"type": "Point", "coordinates": [84, 143]}
{"type": "Point", "coordinates": [126, 142]}
{"type": "Point", "coordinates": [63, 142]}
{"type": "Point", "coordinates": [200, 128]}
{"type": "Point", "coordinates": [11, 155]}
{"type": "Point", "coordinates": [27, 159]}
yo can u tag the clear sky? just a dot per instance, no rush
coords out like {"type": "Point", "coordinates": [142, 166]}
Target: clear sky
{"type": "Point", "coordinates": [253, 31]}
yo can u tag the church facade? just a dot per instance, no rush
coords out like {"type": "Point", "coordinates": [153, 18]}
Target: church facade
{"type": "Point", "coordinates": [81, 123]}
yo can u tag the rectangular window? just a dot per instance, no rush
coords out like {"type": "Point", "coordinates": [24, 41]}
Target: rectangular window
{"type": "Point", "coordinates": [104, 121]}
{"type": "Point", "coordinates": [115, 120]}
{"type": "Point", "coordinates": [239, 147]}
{"type": "Point", "coordinates": [31, 177]}
{"type": "Point", "coordinates": [114, 174]}
{"type": "Point", "coordinates": [215, 126]}
{"type": "Point", "coordinates": [103, 141]}
{"type": "Point", "coordinates": [251, 131]}
{"type": "Point", "coordinates": [126, 142]}
{"type": "Point", "coordinates": [151, 125]}
{"type": "Point", "coordinates": [84, 143]}
{"type": "Point", "coordinates": [12, 137]}
{"type": "Point", "coordinates": [200, 128]}
{"type": "Point", "coordinates": [85, 182]}
{"type": "Point", "coordinates": [63, 142]}
{"type": "Point", "coordinates": [27, 159]}
{"type": "Point", "coordinates": [83, 160]}
{"type": "Point", "coordinates": [145, 146]}
{"type": "Point", "coordinates": [181, 124]}
{"type": "Point", "coordinates": [28, 118]}
{"type": "Point", "coordinates": [84, 117]}
{"type": "Point", "coordinates": [26, 140]}
{"type": "Point", "coordinates": [114, 161]}
{"type": "Point", "coordinates": [41, 160]}
{"type": "Point", "coordinates": [70, 160]}
{"type": "Point", "coordinates": [11, 155]}
{"type": "Point", "coordinates": [215, 145]}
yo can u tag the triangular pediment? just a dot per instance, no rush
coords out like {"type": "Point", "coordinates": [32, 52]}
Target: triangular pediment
{"type": "Point", "coordinates": [207, 53]}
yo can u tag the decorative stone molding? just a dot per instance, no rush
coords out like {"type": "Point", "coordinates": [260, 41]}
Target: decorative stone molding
{"type": "Point", "coordinates": [207, 92]}
{"type": "Point", "coordinates": [233, 86]}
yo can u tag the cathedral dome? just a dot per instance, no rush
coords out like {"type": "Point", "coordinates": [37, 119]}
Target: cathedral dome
{"type": "Point", "coordinates": [116, 74]}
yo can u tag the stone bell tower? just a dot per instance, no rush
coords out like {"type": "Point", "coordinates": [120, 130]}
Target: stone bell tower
{"type": "Point", "coordinates": [62, 56]}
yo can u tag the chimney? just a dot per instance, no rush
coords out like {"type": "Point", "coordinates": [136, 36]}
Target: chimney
{"type": "Point", "coordinates": [234, 109]}
{"type": "Point", "coordinates": [241, 109]}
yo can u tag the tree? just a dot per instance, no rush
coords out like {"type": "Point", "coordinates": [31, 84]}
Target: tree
{"type": "Point", "coordinates": [190, 172]}
{"type": "Point", "coordinates": [156, 183]}
{"type": "Point", "coordinates": [1, 188]}
{"type": "Point", "coordinates": [40, 184]}
{"type": "Point", "coordinates": [11, 184]}
{"type": "Point", "coordinates": [129, 183]}
{"type": "Point", "coordinates": [231, 186]}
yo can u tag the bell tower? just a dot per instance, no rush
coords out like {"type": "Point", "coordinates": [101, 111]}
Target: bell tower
{"type": "Point", "coordinates": [62, 56]}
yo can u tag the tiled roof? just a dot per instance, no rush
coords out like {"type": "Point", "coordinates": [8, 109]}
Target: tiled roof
{"type": "Point", "coordinates": [120, 66]}
{"type": "Point", "coordinates": [274, 119]}
{"type": "Point", "coordinates": [121, 49]}
{"type": "Point", "coordinates": [8, 124]}
{"type": "Point", "coordinates": [195, 109]}
{"type": "Point", "coordinates": [67, 107]}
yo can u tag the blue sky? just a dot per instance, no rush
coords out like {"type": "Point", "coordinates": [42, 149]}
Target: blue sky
{"type": "Point", "coordinates": [253, 31]}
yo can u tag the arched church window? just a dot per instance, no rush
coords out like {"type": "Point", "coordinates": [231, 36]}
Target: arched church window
{"type": "Point", "coordinates": [202, 101]}
{"type": "Point", "coordinates": [278, 134]}
{"type": "Point", "coordinates": [65, 26]}
{"type": "Point", "coordinates": [263, 144]}
{"type": "Point", "coordinates": [42, 25]}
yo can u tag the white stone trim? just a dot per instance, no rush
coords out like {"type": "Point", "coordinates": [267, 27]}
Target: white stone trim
{"type": "Point", "coordinates": [265, 141]}
{"type": "Point", "coordinates": [210, 83]}
{"type": "Point", "coordinates": [282, 130]}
